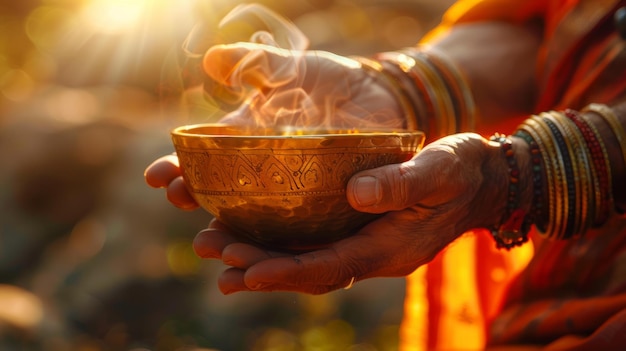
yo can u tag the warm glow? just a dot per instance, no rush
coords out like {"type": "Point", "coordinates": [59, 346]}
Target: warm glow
{"type": "Point", "coordinates": [19, 307]}
{"type": "Point", "coordinates": [182, 259]}
{"type": "Point", "coordinates": [115, 16]}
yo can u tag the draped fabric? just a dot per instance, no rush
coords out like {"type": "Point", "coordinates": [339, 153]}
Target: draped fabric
{"type": "Point", "coordinates": [548, 294]}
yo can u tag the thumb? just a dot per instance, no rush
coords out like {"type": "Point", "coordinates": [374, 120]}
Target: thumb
{"type": "Point", "coordinates": [388, 188]}
{"type": "Point", "coordinates": [445, 171]}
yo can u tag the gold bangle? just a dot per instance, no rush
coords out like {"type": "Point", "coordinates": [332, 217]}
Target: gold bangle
{"type": "Point", "coordinates": [548, 151]}
{"type": "Point", "coordinates": [458, 84]}
{"type": "Point", "coordinates": [572, 200]}
{"type": "Point", "coordinates": [414, 89]}
{"type": "Point", "coordinates": [560, 179]}
{"type": "Point", "coordinates": [581, 169]}
{"type": "Point", "coordinates": [606, 197]}
{"type": "Point", "coordinates": [590, 184]}
{"type": "Point", "coordinates": [440, 94]}
{"type": "Point", "coordinates": [395, 88]}
{"type": "Point", "coordinates": [437, 117]}
{"type": "Point", "coordinates": [609, 116]}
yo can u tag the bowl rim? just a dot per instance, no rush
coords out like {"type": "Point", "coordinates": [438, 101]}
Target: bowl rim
{"type": "Point", "coordinates": [185, 131]}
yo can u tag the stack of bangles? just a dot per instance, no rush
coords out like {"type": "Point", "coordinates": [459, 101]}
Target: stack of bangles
{"type": "Point", "coordinates": [572, 183]}
{"type": "Point", "coordinates": [434, 94]}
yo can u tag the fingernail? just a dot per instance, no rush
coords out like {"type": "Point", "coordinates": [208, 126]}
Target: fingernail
{"type": "Point", "coordinates": [367, 191]}
{"type": "Point", "coordinates": [259, 286]}
{"type": "Point", "coordinates": [201, 248]}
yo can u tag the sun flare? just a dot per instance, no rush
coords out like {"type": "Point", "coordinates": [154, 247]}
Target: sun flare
{"type": "Point", "coordinates": [115, 16]}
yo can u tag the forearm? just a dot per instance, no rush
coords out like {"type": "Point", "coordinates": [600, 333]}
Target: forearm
{"type": "Point", "coordinates": [577, 178]}
{"type": "Point", "coordinates": [473, 78]}
{"type": "Point", "coordinates": [498, 61]}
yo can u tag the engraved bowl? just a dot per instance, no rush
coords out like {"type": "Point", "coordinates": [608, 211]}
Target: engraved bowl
{"type": "Point", "coordinates": [284, 188]}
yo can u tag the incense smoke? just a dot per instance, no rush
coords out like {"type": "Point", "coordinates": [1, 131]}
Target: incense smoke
{"type": "Point", "coordinates": [272, 79]}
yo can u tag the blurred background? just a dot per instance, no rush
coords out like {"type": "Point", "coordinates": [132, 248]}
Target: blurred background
{"type": "Point", "coordinates": [93, 259]}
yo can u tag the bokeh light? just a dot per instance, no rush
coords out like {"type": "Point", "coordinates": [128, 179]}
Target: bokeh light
{"type": "Point", "coordinates": [93, 259]}
{"type": "Point", "coordinates": [19, 308]}
{"type": "Point", "coordinates": [182, 259]}
{"type": "Point", "coordinates": [16, 85]}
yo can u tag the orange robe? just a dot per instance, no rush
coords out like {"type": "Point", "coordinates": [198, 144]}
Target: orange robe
{"type": "Point", "coordinates": [565, 295]}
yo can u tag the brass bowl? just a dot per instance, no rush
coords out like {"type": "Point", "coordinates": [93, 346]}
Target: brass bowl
{"type": "Point", "coordinates": [284, 188]}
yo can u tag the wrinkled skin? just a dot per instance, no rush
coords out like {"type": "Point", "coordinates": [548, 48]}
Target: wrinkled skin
{"type": "Point", "coordinates": [454, 184]}
{"type": "Point", "coordinates": [298, 88]}
{"type": "Point", "coordinates": [431, 200]}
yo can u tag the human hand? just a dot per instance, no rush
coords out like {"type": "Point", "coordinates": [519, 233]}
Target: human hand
{"type": "Point", "coordinates": [165, 173]}
{"type": "Point", "coordinates": [277, 86]}
{"type": "Point", "coordinates": [326, 91]}
{"type": "Point", "coordinates": [453, 185]}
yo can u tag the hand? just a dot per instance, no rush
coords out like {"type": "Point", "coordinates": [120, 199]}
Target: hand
{"type": "Point", "coordinates": [453, 185]}
{"type": "Point", "coordinates": [298, 88]}
{"type": "Point", "coordinates": [165, 173]}
{"type": "Point", "coordinates": [285, 87]}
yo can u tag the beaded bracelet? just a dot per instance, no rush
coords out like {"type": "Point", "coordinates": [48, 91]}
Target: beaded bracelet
{"type": "Point", "coordinates": [513, 229]}
{"type": "Point", "coordinates": [609, 116]}
{"type": "Point", "coordinates": [577, 173]}
{"type": "Point", "coordinates": [537, 203]}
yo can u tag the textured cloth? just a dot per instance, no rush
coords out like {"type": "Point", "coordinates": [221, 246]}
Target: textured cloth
{"type": "Point", "coordinates": [548, 294]}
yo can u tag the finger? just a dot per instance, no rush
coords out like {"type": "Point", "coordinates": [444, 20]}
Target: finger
{"type": "Point", "coordinates": [217, 224]}
{"type": "Point", "coordinates": [378, 250]}
{"type": "Point", "coordinates": [234, 280]}
{"type": "Point", "coordinates": [231, 281]}
{"type": "Point", "coordinates": [210, 242]}
{"type": "Point", "coordinates": [179, 196]}
{"type": "Point", "coordinates": [242, 255]}
{"type": "Point", "coordinates": [313, 289]}
{"type": "Point", "coordinates": [384, 189]}
{"type": "Point", "coordinates": [400, 186]}
{"type": "Point", "coordinates": [161, 172]}
{"type": "Point", "coordinates": [281, 274]}
{"type": "Point", "coordinates": [249, 64]}
{"type": "Point", "coordinates": [293, 273]}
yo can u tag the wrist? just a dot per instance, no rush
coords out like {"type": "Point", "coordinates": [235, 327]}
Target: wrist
{"type": "Point", "coordinates": [436, 90]}
{"type": "Point", "coordinates": [578, 165]}
{"type": "Point", "coordinates": [609, 123]}
{"type": "Point", "coordinates": [514, 215]}
{"type": "Point", "coordinates": [391, 81]}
